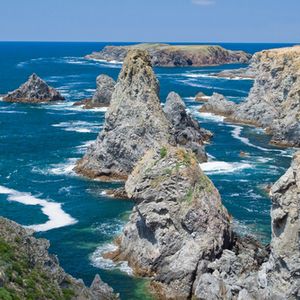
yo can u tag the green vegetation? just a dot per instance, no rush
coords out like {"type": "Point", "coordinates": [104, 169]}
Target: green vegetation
{"type": "Point", "coordinates": [24, 281]}
{"type": "Point", "coordinates": [163, 152]}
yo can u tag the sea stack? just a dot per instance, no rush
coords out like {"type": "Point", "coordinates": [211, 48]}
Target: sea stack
{"type": "Point", "coordinates": [178, 221]}
{"type": "Point", "coordinates": [134, 122]}
{"type": "Point", "coordinates": [34, 90]}
{"type": "Point", "coordinates": [28, 271]}
{"type": "Point", "coordinates": [105, 86]}
{"type": "Point", "coordinates": [186, 130]}
{"type": "Point", "coordinates": [274, 100]}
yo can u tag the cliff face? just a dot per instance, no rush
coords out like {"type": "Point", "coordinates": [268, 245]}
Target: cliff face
{"type": "Point", "coordinates": [28, 271]}
{"type": "Point", "coordinates": [134, 123]}
{"type": "Point", "coordinates": [165, 55]}
{"type": "Point", "coordinates": [274, 100]}
{"type": "Point", "coordinates": [178, 221]}
{"type": "Point", "coordinates": [35, 90]}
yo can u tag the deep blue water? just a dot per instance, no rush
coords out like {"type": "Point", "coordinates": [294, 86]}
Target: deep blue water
{"type": "Point", "coordinates": [40, 143]}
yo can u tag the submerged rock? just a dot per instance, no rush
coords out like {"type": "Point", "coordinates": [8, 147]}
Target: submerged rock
{"type": "Point", "coordinates": [274, 100]}
{"type": "Point", "coordinates": [28, 271]}
{"type": "Point", "coordinates": [201, 97]}
{"type": "Point", "coordinates": [35, 90]}
{"type": "Point", "coordinates": [178, 221]}
{"type": "Point", "coordinates": [186, 130]}
{"type": "Point", "coordinates": [218, 104]}
{"type": "Point", "coordinates": [134, 122]}
{"type": "Point", "coordinates": [175, 55]}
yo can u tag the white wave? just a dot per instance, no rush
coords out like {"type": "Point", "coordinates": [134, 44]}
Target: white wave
{"type": "Point", "coordinates": [84, 146]}
{"type": "Point", "coordinates": [79, 126]}
{"type": "Point", "coordinates": [209, 116]}
{"type": "Point", "coordinates": [236, 133]}
{"type": "Point", "coordinates": [221, 167]}
{"type": "Point", "coordinates": [53, 210]}
{"type": "Point", "coordinates": [69, 106]}
{"type": "Point", "coordinates": [12, 112]}
{"type": "Point", "coordinates": [66, 168]}
{"type": "Point", "coordinates": [193, 75]}
{"type": "Point", "coordinates": [98, 261]}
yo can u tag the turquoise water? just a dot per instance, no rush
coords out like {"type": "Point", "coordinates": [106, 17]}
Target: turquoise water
{"type": "Point", "coordinates": [39, 145]}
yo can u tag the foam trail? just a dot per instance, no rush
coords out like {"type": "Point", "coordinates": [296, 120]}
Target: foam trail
{"type": "Point", "coordinates": [57, 217]}
{"type": "Point", "coordinates": [236, 133]}
{"type": "Point", "coordinates": [221, 167]}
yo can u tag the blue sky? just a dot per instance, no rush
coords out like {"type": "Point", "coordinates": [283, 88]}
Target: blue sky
{"type": "Point", "coordinates": [151, 20]}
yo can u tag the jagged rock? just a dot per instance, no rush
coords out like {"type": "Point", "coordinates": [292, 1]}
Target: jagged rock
{"type": "Point", "coordinates": [186, 130]}
{"type": "Point", "coordinates": [176, 55]}
{"type": "Point", "coordinates": [35, 90]}
{"type": "Point", "coordinates": [134, 123]}
{"type": "Point", "coordinates": [178, 221]}
{"type": "Point", "coordinates": [274, 100]}
{"type": "Point", "coordinates": [28, 271]}
{"type": "Point", "coordinates": [218, 104]}
{"type": "Point", "coordinates": [242, 73]}
{"type": "Point", "coordinates": [249, 272]}
{"type": "Point", "coordinates": [104, 91]}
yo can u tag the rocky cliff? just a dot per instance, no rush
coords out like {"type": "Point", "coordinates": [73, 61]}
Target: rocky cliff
{"type": "Point", "coordinates": [178, 221]}
{"type": "Point", "coordinates": [134, 122]}
{"type": "Point", "coordinates": [274, 100]}
{"type": "Point", "coordinates": [28, 271]}
{"type": "Point", "coordinates": [165, 55]}
{"type": "Point", "coordinates": [35, 90]}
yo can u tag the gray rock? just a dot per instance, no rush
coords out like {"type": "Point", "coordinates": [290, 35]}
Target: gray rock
{"type": "Point", "coordinates": [274, 100]}
{"type": "Point", "coordinates": [175, 55]}
{"type": "Point", "coordinates": [35, 90]}
{"type": "Point", "coordinates": [186, 130]}
{"type": "Point", "coordinates": [104, 91]}
{"type": "Point", "coordinates": [219, 105]}
{"type": "Point", "coordinates": [134, 122]}
{"type": "Point", "coordinates": [27, 270]}
{"type": "Point", "coordinates": [178, 221]}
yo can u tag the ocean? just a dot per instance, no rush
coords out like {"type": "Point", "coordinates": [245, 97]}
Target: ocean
{"type": "Point", "coordinates": [39, 145]}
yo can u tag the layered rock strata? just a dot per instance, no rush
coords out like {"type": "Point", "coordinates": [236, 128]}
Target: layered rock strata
{"type": "Point", "coordinates": [165, 55]}
{"type": "Point", "coordinates": [35, 90]}
{"type": "Point", "coordinates": [28, 271]}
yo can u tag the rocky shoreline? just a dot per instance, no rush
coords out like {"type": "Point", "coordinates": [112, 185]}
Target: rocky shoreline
{"type": "Point", "coordinates": [165, 55]}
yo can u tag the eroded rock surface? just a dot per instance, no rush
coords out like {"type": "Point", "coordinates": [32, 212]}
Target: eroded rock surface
{"type": "Point", "coordinates": [176, 55]}
{"type": "Point", "coordinates": [186, 130]}
{"type": "Point", "coordinates": [28, 271]}
{"type": "Point", "coordinates": [274, 100]}
{"type": "Point", "coordinates": [134, 122]}
{"type": "Point", "coordinates": [178, 221]}
{"type": "Point", "coordinates": [35, 90]}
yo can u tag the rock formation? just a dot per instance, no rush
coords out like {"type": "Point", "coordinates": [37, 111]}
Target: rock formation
{"type": "Point", "coordinates": [102, 95]}
{"type": "Point", "coordinates": [178, 221]}
{"type": "Point", "coordinates": [165, 55]}
{"type": "Point", "coordinates": [28, 271]}
{"type": "Point", "coordinates": [186, 130]}
{"type": "Point", "coordinates": [201, 97]}
{"type": "Point", "coordinates": [242, 273]}
{"type": "Point", "coordinates": [35, 90]}
{"type": "Point", "coordinates": [274, 100]}
{"type": "Point", "coordinates": [134, 123]}
{"type": "Point", "coordinates": [218, 104]}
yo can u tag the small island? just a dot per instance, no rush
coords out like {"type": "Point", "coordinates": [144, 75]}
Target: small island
{"type": "Point", "coordinates": [165, 55]}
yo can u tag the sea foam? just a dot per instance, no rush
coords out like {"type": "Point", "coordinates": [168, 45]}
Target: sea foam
{"type": "Point", "coordinates": [53, 210]}
{"type": "Point", "coordinates": [221, 167]}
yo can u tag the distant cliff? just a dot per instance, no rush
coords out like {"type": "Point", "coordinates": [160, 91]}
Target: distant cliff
{"type": "Point", "coordinates": [165, 55]}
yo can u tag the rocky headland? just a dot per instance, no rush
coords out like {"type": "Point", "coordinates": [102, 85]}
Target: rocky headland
{"type": "Point", "coordinates": [165, 55]}
{"type": "Point", "coordinates": [274, 101]}
{"type": "Point", "coordinates": [34, 90]}
{"type": "Point", "coordinates": [105, 86]}
{"type": "Point", "coordinates": [28, 271]}
{"type": "Point", "coordinates": [135, 122]}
